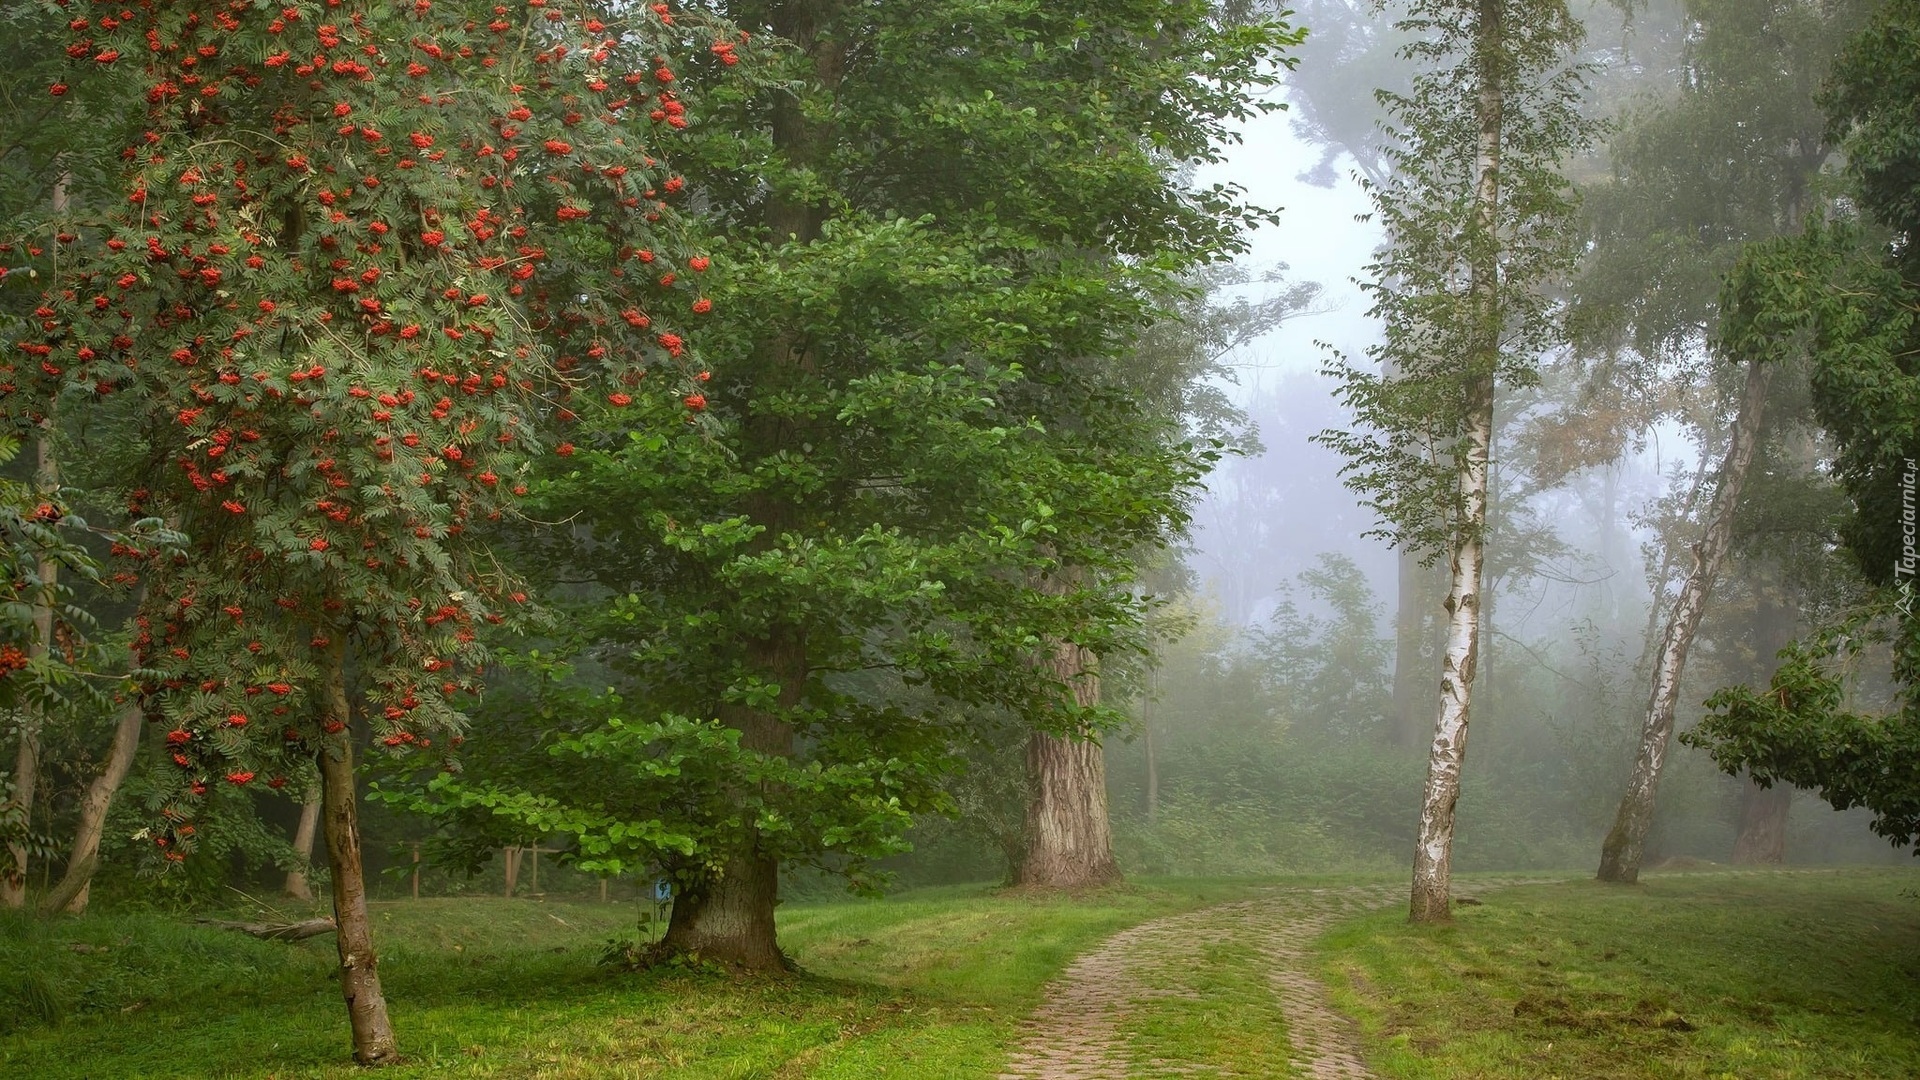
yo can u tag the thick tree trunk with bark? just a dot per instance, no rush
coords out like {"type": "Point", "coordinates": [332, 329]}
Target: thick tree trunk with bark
{"type": "Point", "coordinates": [728, 918]}
{"type": "Point", "coordinates": [1763, 825]}
{"type": "Point", "coordinates": [1433, 851]}
{"type": "Point", "coordinates": [75, 886]}
{"type": "Point", "coordinates": [1069, 839]}
{"type": "Point", "coordinates": [373, 1041]}
{"type": "Point", "coordinates": [1625, 846]}
{"type": "Point", "coordinates": [1069, 836]}
{"type": "Point", "coordinates": [296, 884]}
{"type": "Point", "coordinates": [26, 762]}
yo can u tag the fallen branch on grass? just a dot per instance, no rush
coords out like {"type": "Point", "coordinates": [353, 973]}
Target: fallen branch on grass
{"type": "Point", "coordinates": [276, 931]}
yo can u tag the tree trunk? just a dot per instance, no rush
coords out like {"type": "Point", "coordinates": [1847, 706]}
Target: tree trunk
{"type": "Point", "coordinates": [296, 884]}
{"type": "Point", "coordinates": [1153, 755]}
{"type": "Point", "coordinates": [1447, 756]}
{"type": "Point", "coordinates": [1763, 825]}
{"type": "Point", "coordinates": [76, 885]}
{"type": "Point", "coordinates": [1069, 838]}
{"type": "Point", "coordinates": [729, 916]}
{"type": "Point", "coordinates": [1621, 854]}
{"type": "Point", "coordinates": [26, 762]}
{"type": "Point", "coordinates": [1433, 852]}
{"type": "Point", "coordinates": [373, 1042]}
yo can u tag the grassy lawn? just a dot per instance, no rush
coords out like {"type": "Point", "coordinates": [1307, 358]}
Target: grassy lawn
{"type": "Point", "coordinates": [1804, 975]}
{"type": "Point", "coordinates": [929, 986]}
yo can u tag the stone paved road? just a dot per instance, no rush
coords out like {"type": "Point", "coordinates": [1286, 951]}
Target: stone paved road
{"type": "Point", "coordinates": [1080, 1033]}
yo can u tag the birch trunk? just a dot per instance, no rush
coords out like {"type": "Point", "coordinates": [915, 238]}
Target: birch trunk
{"type": "Point", "coordinates": [1433, 851]}
{"type": "Point", "coordinates": [76, 885]}
{"type": "Point", "coordinates": [26, 761]}
{"type": "Point", "coordinates": [296, 884]}
{"type": "Point", "coordinates": [373, 1041]}
{"type": "Point", "coordinates": [1625, 846]}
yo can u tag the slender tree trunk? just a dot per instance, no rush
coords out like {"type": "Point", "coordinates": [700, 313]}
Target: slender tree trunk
{"type": "Point", "coordinates": [1153, 755]}
{"type": "Point", "coordinates": [1621, 854]}
{"type": "Point", "coordinates": [296, 884]}
{"type": "Point", "coordinates": [76, 885]}
{"type": "Point", "coordinates": [1069, 838]}
{"type": "Point", "coordinates": [26, 762]}
{"type": "Point", "coordinates": [1433, 851]}
{"type": "Point", "coordinates": [373, 1042]}
{"type": "Point", "coordinates": [1763, 825]}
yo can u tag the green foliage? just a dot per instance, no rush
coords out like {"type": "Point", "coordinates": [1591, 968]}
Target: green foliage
{"type": "Point", "coordinates": [343, 279]}
{"type": "Point", "coordinates": [1461, 287]}
{"type": "Point", "coordinates": [934, 442]}
{"type": "Point", "coordinates": [1803, 730]}
{"type": "Point", "coordinates": [1847, 295]}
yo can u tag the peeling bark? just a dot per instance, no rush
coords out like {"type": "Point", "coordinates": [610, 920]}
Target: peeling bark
{"type": "Point", "coordinates": [1433, 852]}
{"type": "Point", "coordinates": [1625, 846]}
{"type": "Point", "coordinates": [373, 1041]}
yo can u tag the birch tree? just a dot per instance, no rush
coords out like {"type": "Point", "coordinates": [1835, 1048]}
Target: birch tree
{"type": "Point", "coordinates": [1477, 219]}
{"type": "Point", "coordinates": [1730, 157]}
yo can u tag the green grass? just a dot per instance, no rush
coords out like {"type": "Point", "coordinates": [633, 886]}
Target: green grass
{"type": "Point", "coordinates": [1802, 975]}
{"type": "Point", "coordinates": [930, 985]}
{"type": "Point", "coordinates": [1799, 975]}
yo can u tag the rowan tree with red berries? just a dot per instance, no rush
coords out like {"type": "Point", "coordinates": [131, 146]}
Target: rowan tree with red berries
{"type": "Point", "coordinates": [368, 255]}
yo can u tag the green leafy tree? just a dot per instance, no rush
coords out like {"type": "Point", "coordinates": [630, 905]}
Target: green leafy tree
{"type": "Point", "coordinates": [1730, 155]}
{"type": "Point", "coordinates": [1849, 290]}
{"type": "Point", "coordinates": [924, 488]}
{"type": "Point", "coordinates": [1477, 219]}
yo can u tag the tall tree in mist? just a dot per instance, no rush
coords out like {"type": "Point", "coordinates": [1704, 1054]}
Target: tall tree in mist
{"type": "Point", "coordinates": [1862, 313]}
{"type": "Point", "coordinates": [923, 482]}
{"type": "Point", "coordinates": [1335, 96]}
{"type": "Point", "coordinates": [1478, 223]}
{"type": "Point", "coordinates": [1727, 156]}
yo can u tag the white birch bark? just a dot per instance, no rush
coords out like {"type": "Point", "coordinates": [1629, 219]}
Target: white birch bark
{"type": "Point", "coordinates": [1433, 852]}
{"type": "Point", "coordinates": [1625, 846]}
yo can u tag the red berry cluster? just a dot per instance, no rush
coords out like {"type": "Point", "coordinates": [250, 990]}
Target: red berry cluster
{"type": "Point", "coordinates": [367, 255]}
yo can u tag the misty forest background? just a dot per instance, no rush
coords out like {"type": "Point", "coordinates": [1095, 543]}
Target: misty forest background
{"type": "Point", "coordinates": [1279, 719]}
{"type": "Point", "coordinates": [940, 467]}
